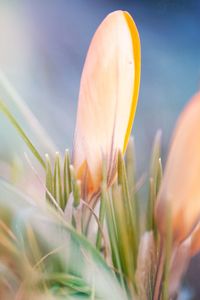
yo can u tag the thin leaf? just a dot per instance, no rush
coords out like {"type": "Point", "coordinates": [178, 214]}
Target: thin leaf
{"type": "Point", "coordinates": [154, 182]}
{"type": "Point", "coordinates": [16, 125]}
{"type": "Point", "coordinates": [59, 181]}
{"type": "Point", "coordinates": [129, 206]}
{"type": "Point", "coordinates": [27, 114]}
{"type": "Point", "coordinates": [49, 177]}
{"type": "Point", "coordinates": [76, 187]}
{"type": "Point", "coordinates": [66, 177]}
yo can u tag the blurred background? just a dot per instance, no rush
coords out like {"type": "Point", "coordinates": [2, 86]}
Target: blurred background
{"type": "Point", "coordinates": [42, 49]}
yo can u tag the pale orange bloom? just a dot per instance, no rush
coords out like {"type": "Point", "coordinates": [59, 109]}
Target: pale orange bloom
{"type": "Point", "coordinates": [179, 195]}
{"type": "Point", "coordinates": [107, 100]}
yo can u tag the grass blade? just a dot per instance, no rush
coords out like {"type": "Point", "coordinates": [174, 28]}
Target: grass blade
{"type": "Point", "coordinates": [29, 117]}
{"type": "Point", "coordinates": [66, 177]}
{"type": "Point", "coordinates": [154, 182]}
{"type": "Point", "coordinates": [13, 121]}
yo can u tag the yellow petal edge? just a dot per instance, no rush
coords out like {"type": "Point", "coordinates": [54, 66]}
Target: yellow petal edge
{"type": "Point", "coordinates": [137, 59]}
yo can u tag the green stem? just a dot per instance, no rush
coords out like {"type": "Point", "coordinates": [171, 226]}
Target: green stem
{"type": "Point", "coordinates": [101, 221]}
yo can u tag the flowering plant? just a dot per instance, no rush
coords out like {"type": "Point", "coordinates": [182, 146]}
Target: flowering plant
{"type": "Point", "coordinates": [88, 236]}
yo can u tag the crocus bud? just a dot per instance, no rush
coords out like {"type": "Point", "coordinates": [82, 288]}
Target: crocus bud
{"type": "Point", "coordinates": [179, 196]}
{"type": "Point", "coordinates": [107, 101]}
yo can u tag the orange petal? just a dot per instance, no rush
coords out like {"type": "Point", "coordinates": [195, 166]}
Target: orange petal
{"type": "Point", "coordinates": [107, 100]}
{"type": "Point", "coordinates": [180, 189]}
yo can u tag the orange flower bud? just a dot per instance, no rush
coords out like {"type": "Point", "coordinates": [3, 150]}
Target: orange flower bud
{"type": "Point", "coordinates": [179, 194]}
{"type": "Point", "coordinates": [107, 100]}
